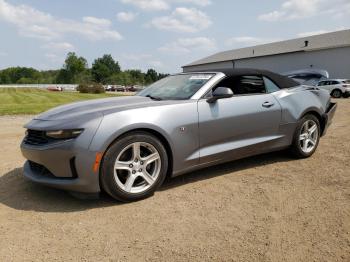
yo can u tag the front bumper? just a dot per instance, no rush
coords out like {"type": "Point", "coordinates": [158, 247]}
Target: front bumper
{"type": "Point", "coordinates": [328, 116]}
{"type": "Point", "coordinates": [67, 164]}
{"type": "Point", "coordinates": [61, 166]}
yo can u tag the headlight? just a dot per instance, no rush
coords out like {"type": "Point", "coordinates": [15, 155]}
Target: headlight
{"type": "Point", "coordinates": [64, 134]}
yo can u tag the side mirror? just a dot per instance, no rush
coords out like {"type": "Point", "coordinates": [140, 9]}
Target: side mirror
{"type": "Point", "coordinates": [219, 93]}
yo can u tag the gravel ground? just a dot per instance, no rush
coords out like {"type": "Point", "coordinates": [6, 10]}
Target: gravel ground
{"type": "Point", "coordinates": [264, 208]}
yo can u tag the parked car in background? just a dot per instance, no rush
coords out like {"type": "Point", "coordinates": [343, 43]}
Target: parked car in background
{"type": "Point", "coordinates": [336, 87]}
{"type": "Point", "coordinates": [115, 88]}
{"type": "Point", "coordinates": [55, 88]}
{"type": "Point", "coordinates": [120, 89]}
{"type": "Point", "coordinates": [127, 146]}
{"type": "Point", "coordinates": [135, 88]}
{"type": "Point", "coordinates": [308, 76]}
{"type": "Point", "coordinates": [109, 88]}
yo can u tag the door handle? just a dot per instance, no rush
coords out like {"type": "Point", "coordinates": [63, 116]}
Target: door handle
{"type": "Point", "coordinates": [267, 104]}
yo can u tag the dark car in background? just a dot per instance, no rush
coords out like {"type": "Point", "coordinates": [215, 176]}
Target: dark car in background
{"type": "Point", "coordinates": [308, 76]}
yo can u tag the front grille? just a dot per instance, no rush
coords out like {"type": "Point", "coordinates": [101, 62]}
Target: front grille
{"type": "Point", "coordinates": [40, 170]}
{"type": "Point", "coordinates": [36, 137]}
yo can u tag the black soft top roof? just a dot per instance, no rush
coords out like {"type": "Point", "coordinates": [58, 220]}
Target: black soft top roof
{"type": "Point", "coordinates": [281, 81]}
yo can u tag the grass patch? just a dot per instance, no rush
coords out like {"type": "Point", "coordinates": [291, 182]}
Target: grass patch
{"type": "Point", "coordinates": [33, 101]}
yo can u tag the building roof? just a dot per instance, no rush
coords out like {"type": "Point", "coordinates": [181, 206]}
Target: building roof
{"type": "Point", "coordinates": [309, 43]}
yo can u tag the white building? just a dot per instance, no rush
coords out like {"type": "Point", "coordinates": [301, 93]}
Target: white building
{"type": "Point", "coordinates": [329, 51]}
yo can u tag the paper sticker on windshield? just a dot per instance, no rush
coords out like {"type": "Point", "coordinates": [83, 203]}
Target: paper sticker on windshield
{"type": "Point", "coordinates": [200, 77]}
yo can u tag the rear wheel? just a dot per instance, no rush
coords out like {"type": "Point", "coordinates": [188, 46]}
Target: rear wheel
{"type": "Point", "coordinates": [306, 137]}
{"type": "Point", "coordinates": [134, 167]}
{"type": "Point", "coordinates": [336, 93]}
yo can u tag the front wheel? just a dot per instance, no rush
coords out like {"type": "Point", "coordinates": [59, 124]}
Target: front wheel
{"type": "Point", "coordinates": [337, 93]}
{"type": "Point", "coordinates": [306, 137]}
{"type": "Point", "coordinates": [134, 167]}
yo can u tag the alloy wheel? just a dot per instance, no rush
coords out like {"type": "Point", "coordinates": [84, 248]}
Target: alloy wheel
{"type": "Point", "coordinates": [137, 167]}
{"type": "Point", "coordinates": [309, 136]}
{"type": "Point", "coordinates": [337, 93]}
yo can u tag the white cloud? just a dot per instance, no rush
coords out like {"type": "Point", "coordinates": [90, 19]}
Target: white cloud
{"type": "Point", "coordinates": [34, 23]}
{"type": "Point", "coordinates": [145, 61]}
{"type": "Point", "coordinates": [195, 2]}
{"type": "Point", "coordinates": [245, 41]}
{"type": "Point", "coordinates": [298, 9]}
{"type": "Point", "coordinates": [126, 16]}
{"type": "Point", "coordinates": [55, 59]}
{"type": "Point", "coordinates": [156, 63]}
{"type": "Point", "coordinates": [149, 5]}
{"type": "Point", "coordinates": [160, 5]}
{"type": "Point", "coordinates": [186, 45]}
{"type": "Point", "coordinates": [60, 46]}
{"type": "Point", "coordinates": [188, 20]}
{"type": "Point", "coordinates": [97, 21]}
{"type": "Point", "coordinates": [137, 57]}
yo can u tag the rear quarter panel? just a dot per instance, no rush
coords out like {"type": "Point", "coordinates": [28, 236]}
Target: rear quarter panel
{"type": "Point", "coordinates": [296, 102]}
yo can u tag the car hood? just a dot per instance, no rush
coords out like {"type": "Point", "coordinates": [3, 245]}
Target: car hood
{"type": "Point", "coordinates": [97, 107]}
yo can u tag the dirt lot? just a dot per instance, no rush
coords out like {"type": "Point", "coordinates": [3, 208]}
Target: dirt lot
{"type": "Point", "coordinates": [265, 208]}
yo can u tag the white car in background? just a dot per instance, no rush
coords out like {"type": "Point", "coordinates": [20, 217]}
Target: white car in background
{"type": "Point", "coordinates": [337, 87]}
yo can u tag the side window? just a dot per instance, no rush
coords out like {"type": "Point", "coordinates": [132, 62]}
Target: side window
{"type": "Point", "coordinates": [246, 85]}
{"type": "Point", "coordinates": [270, 86]}
{"type": "Point", "coordinates": [243, 85]}
{"type": "Point", "coordinates": [322, 83]}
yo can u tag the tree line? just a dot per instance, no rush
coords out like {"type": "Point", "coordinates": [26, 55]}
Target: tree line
{"type": "Point", "coordinates": [104, 70]}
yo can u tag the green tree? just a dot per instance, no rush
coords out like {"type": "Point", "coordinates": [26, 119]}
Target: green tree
{"type": "Point", "coordinates": [48, 77]}
{"type": "Point", "coordinates": [4, 78]}
{"type": "Point", "coordinates": [73, 67]}
{"type": "Point", "coordinates": [122, 78]}
{"type": "Point", "coordinates": [25, 80]}
{"type": "Point", "coordinates": [160, 76]}
{"type": "Point", "coordinates": [75, 71]}
{"type": "Point", "coordinates": [137, 77]}
{"type": "Point", "coordinates": [12, 75]}
{"type": "Point", "coordinates": [103, 68]}
{"type": "Point", "coordinates": [151, 76]}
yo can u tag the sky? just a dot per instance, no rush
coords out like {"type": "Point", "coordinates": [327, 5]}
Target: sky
{"type": "Point", "coordinates": [159, 34]}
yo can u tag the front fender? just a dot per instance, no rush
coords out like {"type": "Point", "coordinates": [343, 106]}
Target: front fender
{"type": "Point", "coordinates": [177, 123]}
{"type": "Point", "coordinates": [106, 134]}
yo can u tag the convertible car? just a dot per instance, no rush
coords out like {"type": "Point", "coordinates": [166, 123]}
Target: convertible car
{"type": "Point", "coordinates": [127, 146]}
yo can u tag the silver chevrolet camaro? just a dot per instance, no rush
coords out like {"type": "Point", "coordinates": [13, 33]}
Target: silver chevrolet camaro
{"type": "Point", "coordinates": [127, 146]}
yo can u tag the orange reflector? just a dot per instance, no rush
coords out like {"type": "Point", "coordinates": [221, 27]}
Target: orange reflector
{"type": "Point", "coordinates": [97, 161]}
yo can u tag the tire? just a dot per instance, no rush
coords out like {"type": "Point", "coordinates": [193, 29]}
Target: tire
{"type": "Point", "coordinates": [302, 136]}
{"type": "Point", "coordinates": [337, 93]}
{"type": "Point", "coordinates": [130, 174]}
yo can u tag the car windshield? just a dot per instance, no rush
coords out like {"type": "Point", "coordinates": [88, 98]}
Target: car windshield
{"type": "Point", "coordinates": [176, 87]}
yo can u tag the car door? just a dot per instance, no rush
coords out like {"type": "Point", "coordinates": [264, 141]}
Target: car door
{"type": "Point", "coordinates": [238, 126]}
{"type": "Point", "coordinates": [337, 85]}
{"type": "Point", "coordinates": [329, 86]}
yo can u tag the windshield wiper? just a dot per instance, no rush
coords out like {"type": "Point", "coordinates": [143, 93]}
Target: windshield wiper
{"type": "Point", "coordinates": [155, 98]}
